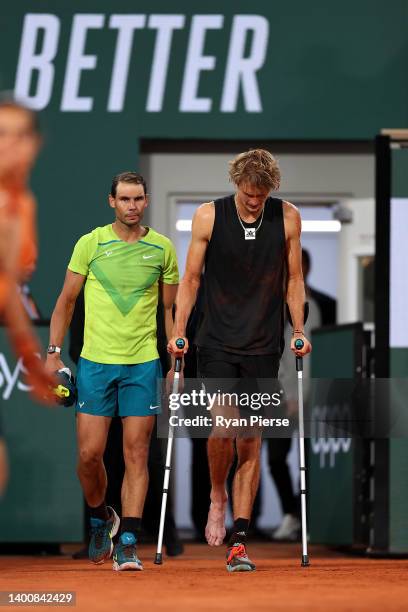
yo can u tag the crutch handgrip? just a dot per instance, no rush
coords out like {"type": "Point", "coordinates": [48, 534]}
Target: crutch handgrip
{"type": "Point", "coordinates": [180, 345]}
{"type": "Point", "coordinates": [299, 344]}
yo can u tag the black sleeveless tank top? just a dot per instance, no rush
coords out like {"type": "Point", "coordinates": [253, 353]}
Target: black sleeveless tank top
{"type": "Point", "coordinates": [243, 284]}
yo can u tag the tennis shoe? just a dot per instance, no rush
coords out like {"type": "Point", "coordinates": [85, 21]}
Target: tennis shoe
{"type": "Point", "coordinates": [238, 560]}
{"type": "Point", "coordinates": [288, 530]}
{"type": "Point", "coordinates": [102, 532]}
{"type": "Point", "coordinates": [124, 554]}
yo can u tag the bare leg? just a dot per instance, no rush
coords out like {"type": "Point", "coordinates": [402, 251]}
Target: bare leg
{"type": "Point", "coordinates": [220, 457]}
{"type": "Point", "coordinates": [246, 478]}
{"type": "Point", "coordinates": [92, 432]}
{"type": "Point", "coordinates": [136, 440]}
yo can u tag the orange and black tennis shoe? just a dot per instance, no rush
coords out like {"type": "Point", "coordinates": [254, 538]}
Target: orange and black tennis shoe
{"type": "Point", "coordinates": [238, 560]}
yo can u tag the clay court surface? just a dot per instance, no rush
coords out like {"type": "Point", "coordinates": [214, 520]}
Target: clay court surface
{"type": "Point", "coordinates": [198, 581]}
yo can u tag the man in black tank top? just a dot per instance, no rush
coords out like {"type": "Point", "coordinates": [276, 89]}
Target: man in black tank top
{"type": "Point", "coordinates": [249, 246]}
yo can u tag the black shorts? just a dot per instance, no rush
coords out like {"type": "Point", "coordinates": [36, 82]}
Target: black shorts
{"type": "Point", "coordinates": [220, 364]}
{"type": "Point", "coordinates": [244, 376]}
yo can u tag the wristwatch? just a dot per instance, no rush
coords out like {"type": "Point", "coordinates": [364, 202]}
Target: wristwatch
{"type": "Point", "coordinates": [53, 349]}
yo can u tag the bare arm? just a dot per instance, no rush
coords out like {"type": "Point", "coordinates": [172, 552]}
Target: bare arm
{"type": "Point", "coordinates": [20, 331]}
{"type": "Point", "coordinates": [203, 223]}
{"type": "Point", "coordinates": [295, 295]}
{"type": "Point", "coordinates": [62, 315]}
{"type": "Point", "coordinates": [26, 346]}
{"type": "Point", "coordinates": [168, 296]}
{"type": "Point", "coordinates": [19, 328]}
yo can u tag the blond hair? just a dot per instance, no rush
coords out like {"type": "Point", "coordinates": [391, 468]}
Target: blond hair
{"type": "Point", "coordinates": [257, 167]}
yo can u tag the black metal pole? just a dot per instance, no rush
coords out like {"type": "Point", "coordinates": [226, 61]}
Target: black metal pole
{"type": "Point", "coordinates": [383, 188]}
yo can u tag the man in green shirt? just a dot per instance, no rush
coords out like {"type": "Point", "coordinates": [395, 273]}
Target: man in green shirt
{"type": "Point", "coordinates": [124, 265]}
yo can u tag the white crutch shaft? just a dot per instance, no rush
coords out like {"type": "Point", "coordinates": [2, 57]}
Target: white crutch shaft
{"type": "Point", "coordinates": [302, 462]}
{"type": "Point", "coordinates": [166, 481]}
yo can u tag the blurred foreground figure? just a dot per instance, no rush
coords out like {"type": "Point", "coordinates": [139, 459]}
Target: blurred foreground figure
{"type": "Point", "coordinates": [19, 146]}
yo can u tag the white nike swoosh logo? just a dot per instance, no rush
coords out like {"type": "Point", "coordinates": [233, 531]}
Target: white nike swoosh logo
{"type": "Point", "coordinates": [147, 256]}
{"type": "Point", "coordinates": [153, 407]}
{"type": "Point", "coordinates": [80, 404]}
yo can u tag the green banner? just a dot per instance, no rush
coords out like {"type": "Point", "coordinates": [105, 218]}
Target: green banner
{"type": "Point", "coordinates": [331, 460]}
{"type": "Point", "coordinates": [231, 71]}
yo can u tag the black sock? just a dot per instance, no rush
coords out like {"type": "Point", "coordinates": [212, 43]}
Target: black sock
{"type": "Point", "coordinates": [239, 533]}
{"type": "Point", "coordinates": [100, 512]}
{"type": "Point", "coordinates": [130, 524]}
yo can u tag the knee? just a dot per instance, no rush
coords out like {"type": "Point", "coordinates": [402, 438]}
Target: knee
{"type": "Point", "coordinates": [89, 458]}
{"type": "Point", "coordinates": [136, 454]}
{"type": "Point", "coordinates": [248, 450]}
{"type": "Point", "coordinates": [219, 444]}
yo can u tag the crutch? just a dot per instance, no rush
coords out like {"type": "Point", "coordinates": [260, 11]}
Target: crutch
{"type": "Point", "coordinates": [299, 344]}
{"type": "Point", "coordinates": [177, 369]}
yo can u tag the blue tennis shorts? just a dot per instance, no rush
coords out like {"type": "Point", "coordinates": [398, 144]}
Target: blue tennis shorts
{"type": "Point", "coordinates": [118, 390]}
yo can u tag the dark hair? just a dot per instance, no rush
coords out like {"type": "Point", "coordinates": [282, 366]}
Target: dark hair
{"type": "Point", "coordinates": [127, 177]}
{"type": "Point", "coordinates": [7, 101]}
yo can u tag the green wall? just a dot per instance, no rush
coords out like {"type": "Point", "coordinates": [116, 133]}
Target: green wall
{"type": "Point", "coordinates": [331, 495]}
{"type": "Point", "coordinates": [43, 500]}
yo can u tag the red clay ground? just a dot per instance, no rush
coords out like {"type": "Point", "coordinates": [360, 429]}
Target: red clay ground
{"type": "Point", "coordinates": [198, 581]}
